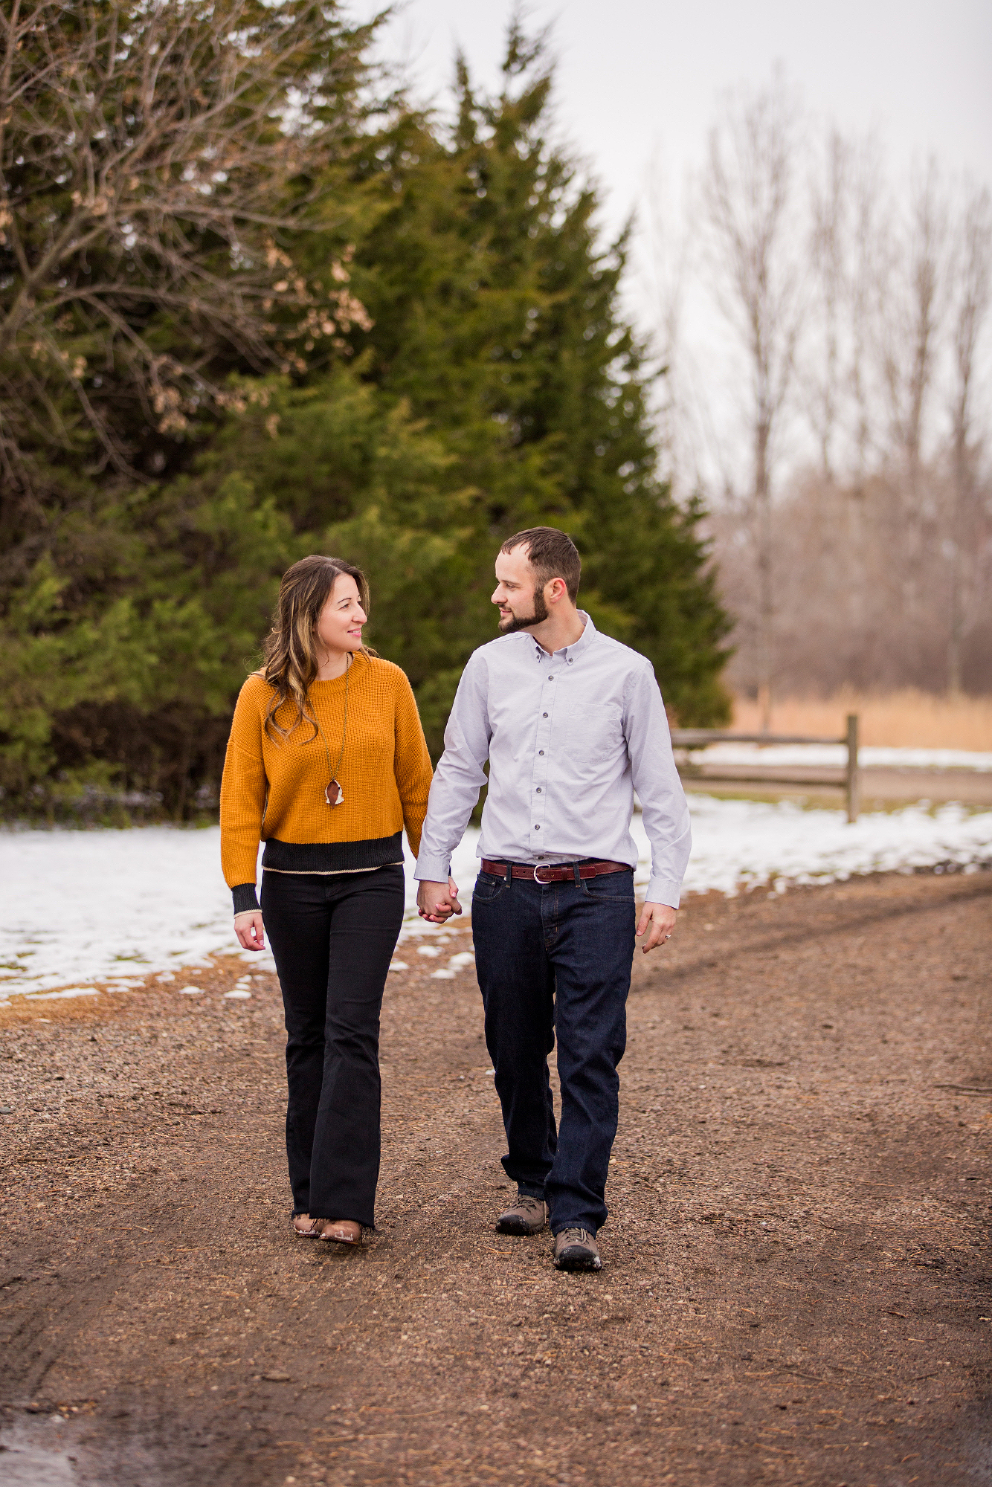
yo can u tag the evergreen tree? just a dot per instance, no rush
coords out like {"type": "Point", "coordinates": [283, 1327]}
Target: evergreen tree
{"type": "Point", "coordinates": [497, 319]}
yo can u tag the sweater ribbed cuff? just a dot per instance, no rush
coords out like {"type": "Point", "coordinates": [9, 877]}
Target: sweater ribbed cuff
{"type": "Point", "coordinates": [245, 898]}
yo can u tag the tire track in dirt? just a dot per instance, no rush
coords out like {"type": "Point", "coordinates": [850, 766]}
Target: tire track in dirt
{"type": "Point", "coordinates": [798, 1265]}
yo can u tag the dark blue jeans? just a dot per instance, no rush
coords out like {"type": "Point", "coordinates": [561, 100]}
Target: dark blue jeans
{"type": "Point", "coordinates": [554, 961]}
{"type": "Point", "coordinates": [332, 937]}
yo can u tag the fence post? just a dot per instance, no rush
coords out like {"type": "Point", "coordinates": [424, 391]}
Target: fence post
{"type": "Point", "coordinates": [853, 774]}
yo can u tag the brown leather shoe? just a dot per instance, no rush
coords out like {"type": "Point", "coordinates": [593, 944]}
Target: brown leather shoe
{"type": "Point", "coordinates": [526, 1216]}
{"type": "Point", "coordinates": [576, 1249]}
{"type": "Point", "coordinates": [339, 1231]}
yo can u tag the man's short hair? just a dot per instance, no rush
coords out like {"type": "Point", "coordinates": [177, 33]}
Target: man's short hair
{"type": "Point", "coordinates": [552, 554]}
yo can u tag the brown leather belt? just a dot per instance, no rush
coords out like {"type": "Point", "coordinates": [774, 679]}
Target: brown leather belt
{"type": "Point", "coordinates": [558, 873]}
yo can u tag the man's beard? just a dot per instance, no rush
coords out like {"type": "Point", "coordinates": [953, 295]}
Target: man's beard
{"type": "Point", "coordinates": [523, 622]}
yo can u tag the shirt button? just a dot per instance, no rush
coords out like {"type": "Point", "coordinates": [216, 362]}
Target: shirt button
{"type": "Point", "coordinates": [537, 828]}
{"type": "Point", "coordinates": [540, 751]}
{"type": "Point", "coordinates": [538, 789]}
{"type": "Point", "coordinates": [544, 715]}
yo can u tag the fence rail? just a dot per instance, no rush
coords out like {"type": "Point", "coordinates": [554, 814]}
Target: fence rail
{"type": "Point", "coordinates": [849, 781]}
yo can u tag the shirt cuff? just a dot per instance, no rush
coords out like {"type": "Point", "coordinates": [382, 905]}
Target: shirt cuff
{"type": "Point", "coordinates": [244, 898]}
{"type": "Point", "coordinates": [663, 891]}
{"type": "Point", "coordinates": [432, 867]}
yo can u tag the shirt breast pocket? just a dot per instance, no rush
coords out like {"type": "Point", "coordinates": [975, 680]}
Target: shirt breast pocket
{"type": "Point", "coordinates": [592, 733]}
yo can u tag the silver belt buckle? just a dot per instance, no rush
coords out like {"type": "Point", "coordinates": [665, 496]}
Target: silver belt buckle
{"type": "Point", "coordinates": [543, 881]}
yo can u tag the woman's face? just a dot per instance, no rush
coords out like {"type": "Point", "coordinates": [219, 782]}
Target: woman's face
{"type": "Point", "coordinates": [339, 625]}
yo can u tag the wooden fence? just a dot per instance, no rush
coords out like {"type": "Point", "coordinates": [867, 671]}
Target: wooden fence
{"type": "Point", "coordinates": [847, 780]}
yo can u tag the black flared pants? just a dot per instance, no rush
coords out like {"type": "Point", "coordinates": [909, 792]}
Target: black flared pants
{"type": "Point", "coordinates": [333, 937]}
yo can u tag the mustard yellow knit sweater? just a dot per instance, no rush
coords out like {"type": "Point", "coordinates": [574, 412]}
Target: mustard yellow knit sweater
{"type": "Point", "coordinates": [273, 789]}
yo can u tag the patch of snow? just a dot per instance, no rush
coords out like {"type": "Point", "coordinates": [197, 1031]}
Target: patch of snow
{"type": "Point", "coordinates": [77, 904]}
{"type": "Point", "coordinates": [740, 844]}
{"type": "Point", "coordinates": [114, 889]}
{"type": "Point", "coordinates": [835, 755]}
{"type": "Point", "coordinates": [70, 991]}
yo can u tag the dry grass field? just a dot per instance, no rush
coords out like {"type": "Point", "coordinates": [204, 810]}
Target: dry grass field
{"type": "Point", "coordinates": [904, 719]}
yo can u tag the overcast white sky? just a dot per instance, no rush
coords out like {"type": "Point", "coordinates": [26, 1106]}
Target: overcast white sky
{"type": "Point", "coordinates": [639, 78]}
{"type": "Point", "coordinates": [639, 83]}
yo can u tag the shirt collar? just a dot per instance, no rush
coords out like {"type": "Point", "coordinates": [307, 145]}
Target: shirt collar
{"type": "Point", "coordinates": [577, 648]}
{"type": "Point", "coordinates": [585, 641]}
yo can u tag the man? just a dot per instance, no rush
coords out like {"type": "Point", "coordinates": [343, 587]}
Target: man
{"type": "Point", "coordinates": [572, 723]}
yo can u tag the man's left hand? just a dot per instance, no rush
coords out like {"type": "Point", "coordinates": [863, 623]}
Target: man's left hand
{"type": "Point", "coordinates": [658, 922]}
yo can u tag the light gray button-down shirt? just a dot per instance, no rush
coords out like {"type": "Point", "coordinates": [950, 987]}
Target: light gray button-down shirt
{"type": "Point", "coordinates": [569, 738]}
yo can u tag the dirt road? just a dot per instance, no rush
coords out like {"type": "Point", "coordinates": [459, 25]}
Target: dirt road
{"type": "Point", "coordinates": [798, 1285]}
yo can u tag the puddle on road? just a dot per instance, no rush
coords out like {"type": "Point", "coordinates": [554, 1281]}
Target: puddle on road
{"type": "Point", "coordinates": [47, 1451]}
{"type": "Point", "coordinates": [29, 1461]}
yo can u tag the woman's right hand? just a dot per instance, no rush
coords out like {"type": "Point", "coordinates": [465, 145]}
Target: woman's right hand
{"type": "Point", "coordinates": [249, 929]}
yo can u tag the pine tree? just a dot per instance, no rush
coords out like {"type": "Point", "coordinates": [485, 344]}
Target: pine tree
{"type": "Point", "coordinates": [498, 321]}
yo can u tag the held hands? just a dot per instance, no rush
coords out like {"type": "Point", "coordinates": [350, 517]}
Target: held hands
{"type": "Point", "coordinates": [659, 921]}
{"type": "Point", "coordinates": [249, 930]}
{"type": "Point", "coordinates": [436, 903]}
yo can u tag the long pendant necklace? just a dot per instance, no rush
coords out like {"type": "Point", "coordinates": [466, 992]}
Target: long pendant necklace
{"type": "Point", "coordinates": [333, 793]}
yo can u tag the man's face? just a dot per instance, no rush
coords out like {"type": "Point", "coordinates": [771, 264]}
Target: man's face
{"type": "Point", "coordinates": [521, 604]}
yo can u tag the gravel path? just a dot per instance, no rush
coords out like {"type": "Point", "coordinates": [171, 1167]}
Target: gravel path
{"type": "Point", "coordinates": [798, 1286]}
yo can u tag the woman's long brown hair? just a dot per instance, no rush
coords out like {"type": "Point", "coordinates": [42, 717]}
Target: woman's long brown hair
{"type": "Point", "coordinates": [290, 649]}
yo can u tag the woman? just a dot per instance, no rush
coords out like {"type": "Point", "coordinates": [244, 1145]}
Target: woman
{"type": "Point", "coordinates": [327, 762]}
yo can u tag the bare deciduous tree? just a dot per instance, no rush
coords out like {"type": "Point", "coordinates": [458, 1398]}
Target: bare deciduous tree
{"type": "Point", "coordinates": [156, 158]}
{"type": "Point", "coordinates": [865, 292]}
{"type": "Point", "coordinates": [679, 410]}
{"type": "Point", "coordinates": [914, 301]}
{"type": "Point", "coordinates": [972, 286]}
{"type": "Point", "coordinates": [873, 563]}
{"type": "Point", "coordinates": [823, 374]}
{"type": "Point", "coordinates": [749, 191]}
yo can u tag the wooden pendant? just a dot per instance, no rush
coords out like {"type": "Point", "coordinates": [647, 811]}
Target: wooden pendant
{"type": "Point", "coordinates": [334, 794]}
